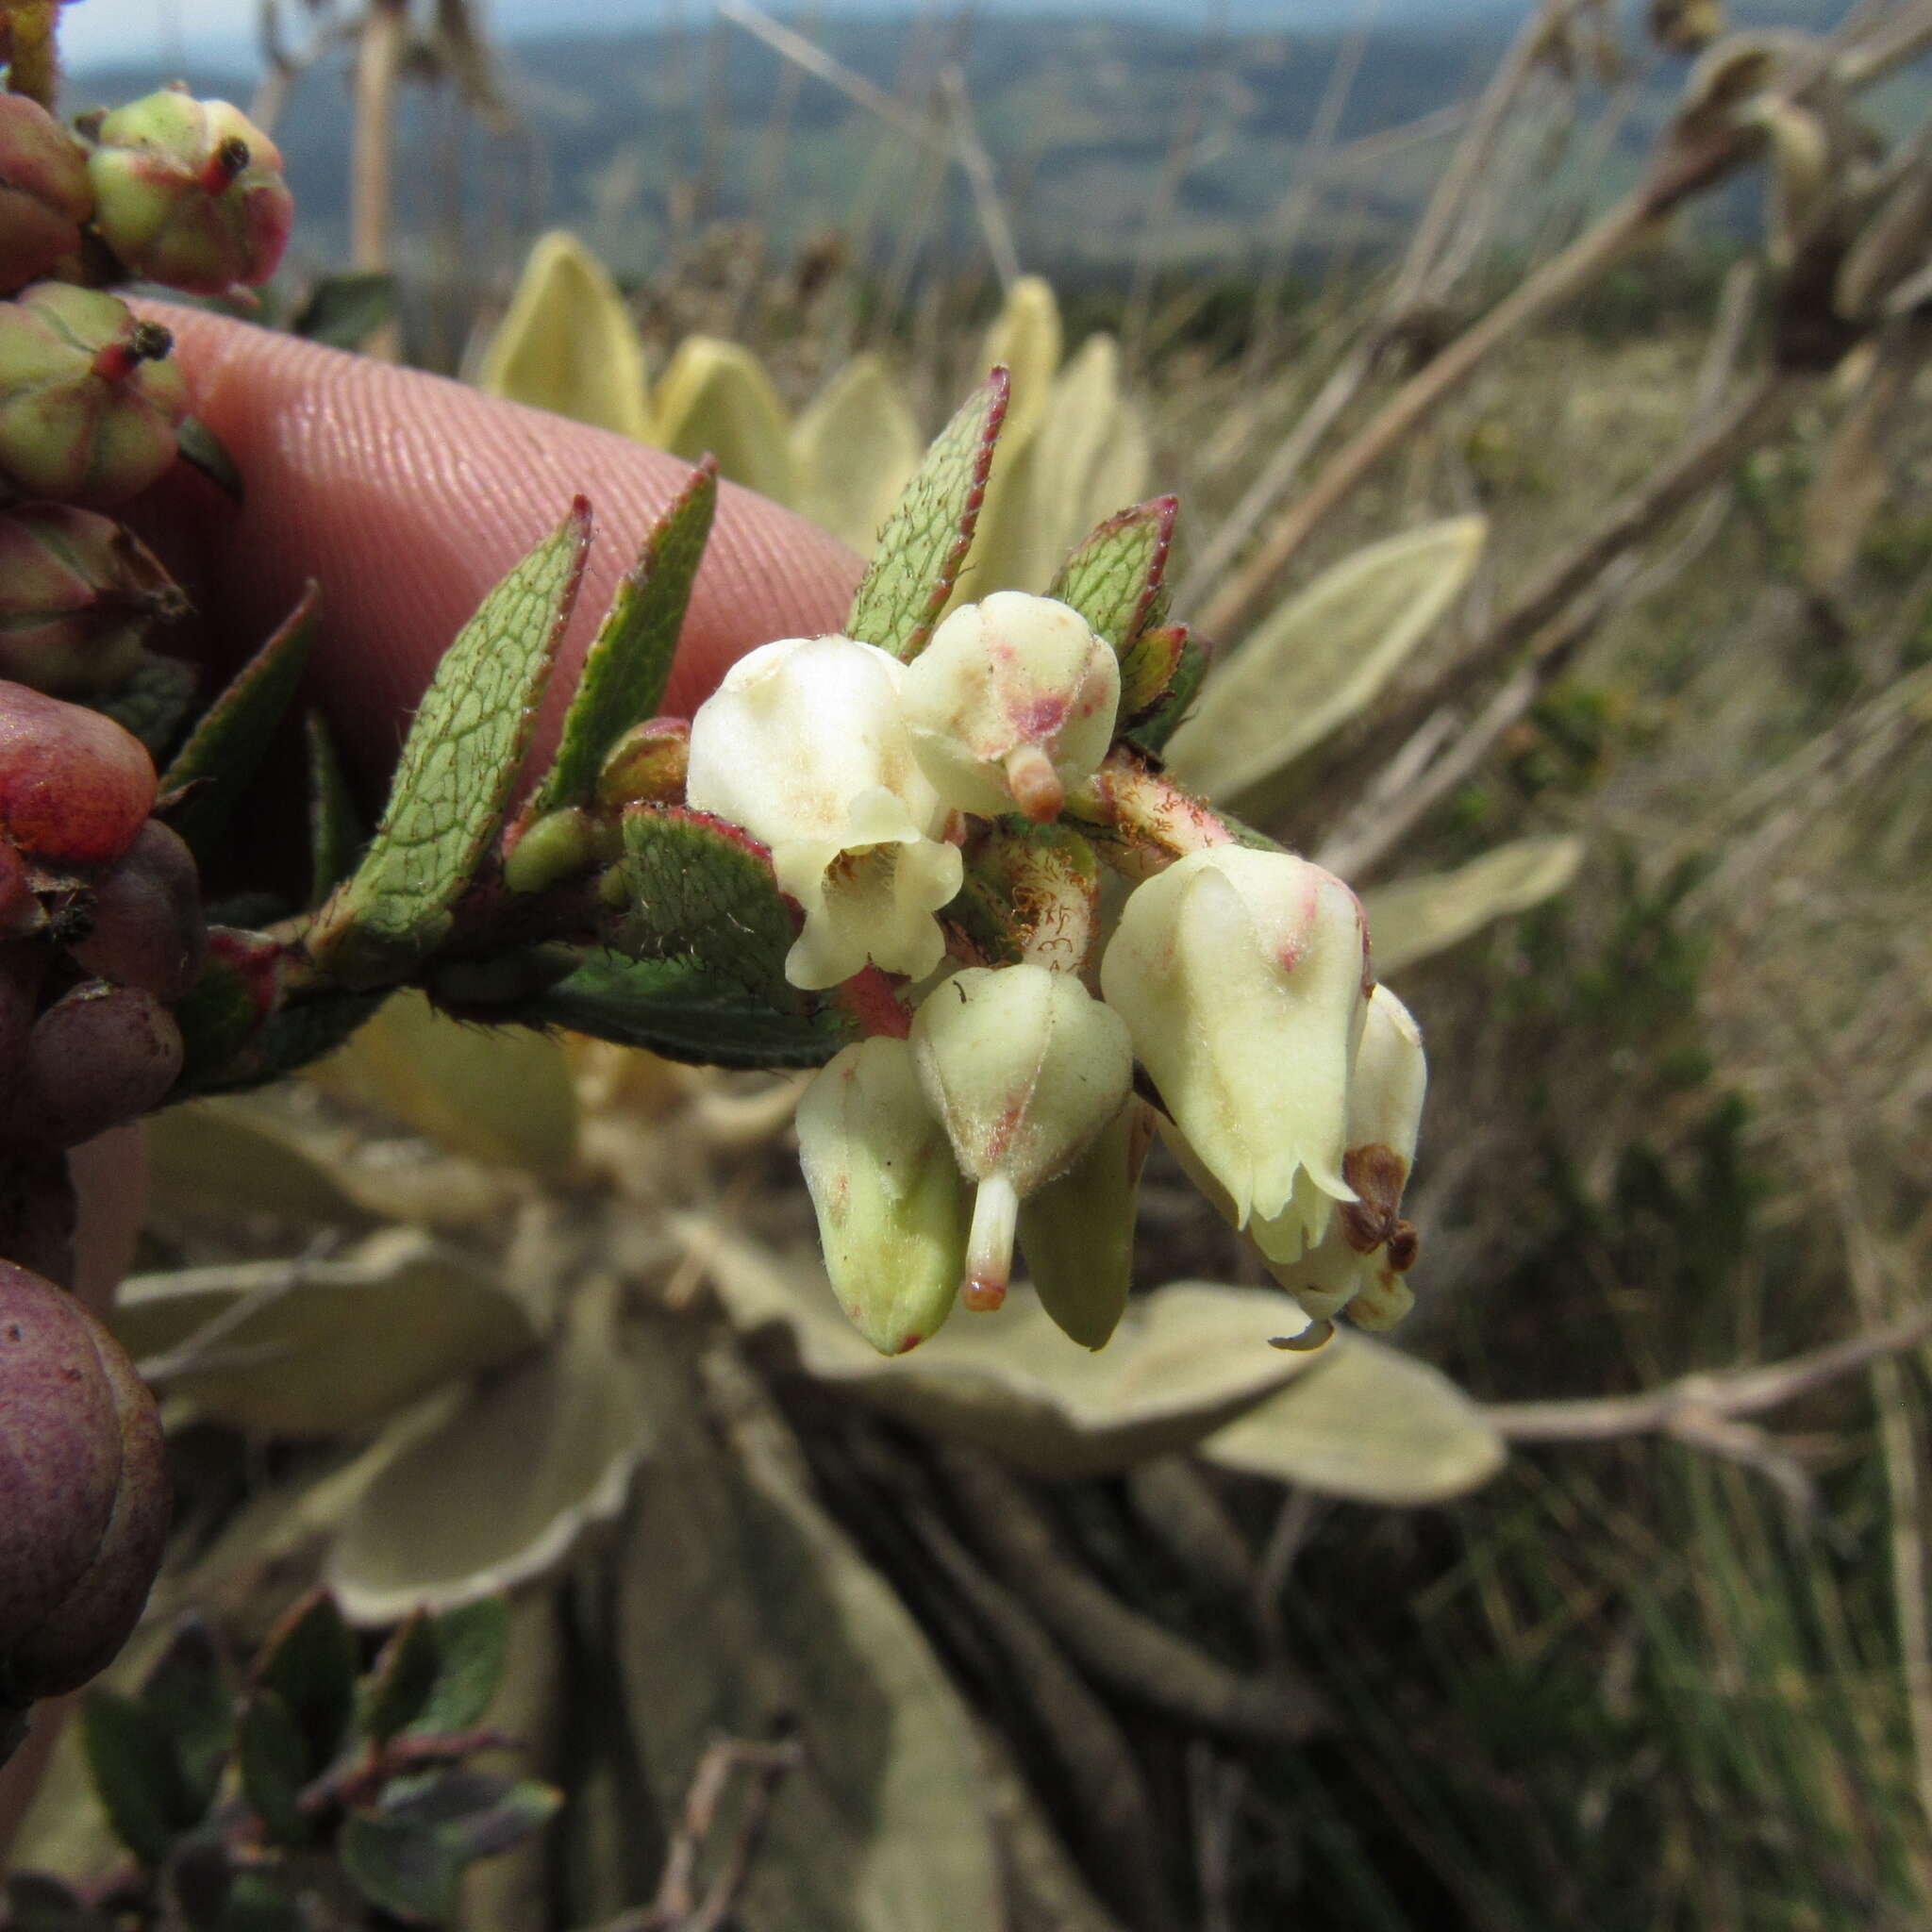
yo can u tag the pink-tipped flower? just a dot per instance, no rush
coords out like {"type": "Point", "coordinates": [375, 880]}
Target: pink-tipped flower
{"type": "Point", "coordinates": [79, 597]}
{"type": "Point", "coordinates": [1243, 977]}
{"type": "Point", "coordinates": [45, 192]}
{"type": "Point", "coordinates": [190, 194]}
{"type": "Point", "coordinates": [90, 397]}
{"type": "Point", "coordinates": [1012, 705]}
{"type": "Point", "coordinates": [1024, 1068]}
{"type": "Point", "coordinates": [84, 1496]}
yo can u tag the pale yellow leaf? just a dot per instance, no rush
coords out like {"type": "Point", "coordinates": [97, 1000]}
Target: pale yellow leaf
{"type": "Point", "coordinates": [1368, 1422]}
{"type": "Point", "coordinates": [503, 1489]}
{"type": "Point", "coordinates": [1414, 919]}
{"type": "Point", "coordinates": [739, 1599]}
{"type": "Point", "coordinates": [1025, 339]}
{"type": "Point", "coordinates": [856, 448]}
{"type": "Point", "coordinates": [310, 1347]}
{"type": "Point", "coordinates": [568, 344]}
{"type": "Point", "coordinates": [716, 397]}
{"type": "Point", "coordinates": [1322, 656]}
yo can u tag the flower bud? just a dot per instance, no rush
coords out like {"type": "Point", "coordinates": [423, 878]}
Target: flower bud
{"type": "Point", "coordinates": [45, 192]}
{"type": "Point", "coordinates": [804, 746]}
{"type": "Point", "coordinates": [1077, 1232]}
{"type": "Point", "coordinates": [190, 192]}
{"type": "Point", "coordinates": [75, 787]}
{"type": "Point", "coordinates": [892, 1208]}
{"type": "Point", "coordinates": [88, 398]}
{"type": "Point", "coordinates": [1012, 703]}
{"type": "Point", "coordinates": [100, 1055]}
{"type": "Point", "coordinates": [1359, 1263]}
{"type": "Point", "coordinates": [83, 1490]}
{"type": "Point", "coordinates": [1244, 979]}
{"type": "Point", "coordinates": [78, 596]}
{"type": "Point", "coordinates": [1024, 1068]}
{"type": "Point", "coordinates": [646, 766]}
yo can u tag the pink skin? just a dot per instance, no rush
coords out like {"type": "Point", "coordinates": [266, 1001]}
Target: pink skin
{"type": "Point", "coordinates": [75, 788]}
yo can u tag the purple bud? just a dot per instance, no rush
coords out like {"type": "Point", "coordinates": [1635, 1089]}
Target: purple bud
{"type": "Point", "coordinates": [83, 1493]}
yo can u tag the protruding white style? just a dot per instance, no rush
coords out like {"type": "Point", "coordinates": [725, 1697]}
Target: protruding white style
{"type": "Point", "coordinates": [805, 747]}
{"type": "Point", "coordinates": [1024, 1067]}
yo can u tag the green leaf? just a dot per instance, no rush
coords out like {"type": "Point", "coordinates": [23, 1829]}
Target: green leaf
{"type": "Point", "coordinates": [568, 344]}
{"type": "Point", "coordinates": [1076, 1233]}
{"type": "Point", "coordinates": [136, 1775]}
{"type": "Point", "coordinates": [274, 1760]}
{"type": "Point", "coordinates": [924, 543]}
{"type": "Point", "coordinates": [472, 1655]}
{"type": "Point", "coordinates": [458, 767]}
{"type": "Point", "coordinates": [345, 309]}
{"type": "Point", "coordinates": [1321, 658]}
{"type": "Point", "coordinates": [855, 450]}
{"type": "Point", "coordinates": [1184, 1361]}
{"type": "Point", "coordinates": [502, 1489]}
{"type": "Point", "coordinates": [1190, 672]}
{"type": "Point", "coordinates": [226, 747]}
{"type": "Point", "coordinates": [630, 664]}
{"type": "Point", "coordinates": [702, 889]}
{"type": "Point", "coordinates": [1368, 1422]}
{"type": "Point", "coordinates": [336, 831]}
{"type": "Point", "coordinates": [324, 1348]}
{"type": "Point", "coordinates": [409, 1855]}
{"type": "Point", "coordinates": [1114, 578]}
{"type": "Point", "coordinates": [742, 1602]}
{"type": "Point", "coordinates": [497, 1094]}
{"type": "Point", "coordinates": [392, 1695]}
{"type": "Point", "coordinates": [308, 1661]}
{"type": "Point", "coordinates": [716, 399]}
{"type": "Point", "coordinates": [289, 1039]}
{"type": "Point", "coordinates": [1416, 919]}
{"type": "Point", "coordinates": [255, 1903]}
{"type": "Point", "coordinates": [201, 447]}
{"type": "Point", "coordinates": [189, 1692]}
{"type": "Point", "coordinates": [676, 1008]}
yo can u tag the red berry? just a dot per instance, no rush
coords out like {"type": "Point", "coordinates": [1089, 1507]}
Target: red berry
{"type": "Point", "coordinates": [75, 788]}
{"type": "Point", "coordinates": [83, 1490]}
{"type": "Point", "coordinates": [148, 929]}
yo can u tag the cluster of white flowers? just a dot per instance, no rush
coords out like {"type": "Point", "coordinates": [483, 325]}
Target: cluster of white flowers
{"type": "Point", "coordinates": [1238, 978]}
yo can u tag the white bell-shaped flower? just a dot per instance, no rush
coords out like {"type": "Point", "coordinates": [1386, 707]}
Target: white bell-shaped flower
{"type": "Point", "coordinates": [1012, 704]}
{"type": "Point", "coordinates": [892, 1205]}
{"type": "Point", "coordinates": [1243, 977]}
{"type": "Point", "coordinates": [803, 745]}
{"type": "Point", "coordinates": [1361, 1262]}
{"type": "Point", "coordinates": [1024, 1067]}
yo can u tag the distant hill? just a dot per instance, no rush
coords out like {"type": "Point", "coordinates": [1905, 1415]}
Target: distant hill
{"type": "Point", "coordinates": [1108, 138]}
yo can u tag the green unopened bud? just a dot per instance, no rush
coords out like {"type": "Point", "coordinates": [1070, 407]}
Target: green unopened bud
{"type": "Point", "coordinates": [647, 765]}
{"type": "Point", "coordinates": [892, 1208]}
{"type": "Point", "coordinates": [88, 396]}
{"type": "Point", "coordinates": [78, 597]}
{"type": "Point", "coordinates": [83, 1490]}
{"type": "Point", "coordinates": [1077, 1232]}
{"type": "Point", "coordinates": [44, 193]}
{"type": "Point", "coordinates": [1024, 1068]}
{"type": "Point", "coordinates": [190, 194]}
{"type": "Point", "coordinates": [556, 847]}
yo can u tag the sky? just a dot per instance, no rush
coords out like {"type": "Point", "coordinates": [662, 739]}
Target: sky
{"type": "Point", "coordinates": [165, 31]}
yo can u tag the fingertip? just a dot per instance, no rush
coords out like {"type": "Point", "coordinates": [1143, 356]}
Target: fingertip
{"type": "Point", "coordinates": [409, 496]}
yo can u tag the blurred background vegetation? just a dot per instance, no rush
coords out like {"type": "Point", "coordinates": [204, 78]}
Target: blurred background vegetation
{"type": "Point", "coordinates": [1668, 1664]}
